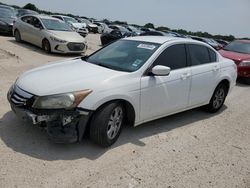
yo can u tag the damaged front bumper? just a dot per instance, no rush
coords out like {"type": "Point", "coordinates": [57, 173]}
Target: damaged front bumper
{"type": "Point", "coordinates": [63, 126]}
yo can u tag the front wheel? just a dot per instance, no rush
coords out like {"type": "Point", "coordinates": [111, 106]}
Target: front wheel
{"type": "Point", "coordinates": [217, 99]}
{"type": "Point", "coordinates": [17, 36]}
{"type": "Point", "coordinates": [46, 46]}
{"type": "Point", "coordinates": [106, 124]}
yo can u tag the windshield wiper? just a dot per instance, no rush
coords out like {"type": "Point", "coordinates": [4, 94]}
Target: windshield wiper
{"type": "Point", "coordinates": [103, 65]}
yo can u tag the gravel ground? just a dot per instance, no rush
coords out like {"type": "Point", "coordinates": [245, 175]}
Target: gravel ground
{"type": "Point", "coordinates": [190, 149]}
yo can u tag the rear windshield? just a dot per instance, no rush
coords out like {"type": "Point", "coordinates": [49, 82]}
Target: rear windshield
{"type": "Point", "coordinates": [238, 46]}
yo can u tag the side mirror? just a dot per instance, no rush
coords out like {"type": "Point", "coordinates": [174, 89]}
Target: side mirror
{"type": "Point", "coordinates": [160, 70]}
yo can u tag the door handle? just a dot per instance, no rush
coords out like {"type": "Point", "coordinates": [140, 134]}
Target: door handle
{"type": "Point", "coordinates": [185, 76]}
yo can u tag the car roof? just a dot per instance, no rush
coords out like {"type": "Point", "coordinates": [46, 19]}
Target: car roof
{"type": "Point", "coordinates": [62, 16]}
{"type": "Point", "coordinates": [41, 16]}
{"type": "Point", "coordinates": [160, 39]}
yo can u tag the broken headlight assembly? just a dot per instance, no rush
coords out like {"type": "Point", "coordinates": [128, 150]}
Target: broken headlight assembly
{"type": "Point", "coordinates": [61, 101]}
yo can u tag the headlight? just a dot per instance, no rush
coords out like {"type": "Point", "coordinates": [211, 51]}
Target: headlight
{"type": "Point", "coordinates": [61, 101]}
{"type": "Point", "coordinates": [245, 64]}
{"type": "Point", "coordinates": [58, 40]}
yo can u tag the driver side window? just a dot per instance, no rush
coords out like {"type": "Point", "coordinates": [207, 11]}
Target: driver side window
{"type": "Point", "coordinates": [36, 23]}
{"type": "Point", "coordinates": [174, 57]}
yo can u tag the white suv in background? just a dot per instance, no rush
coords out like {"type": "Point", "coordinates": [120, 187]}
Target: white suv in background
{"type": "Point", "coordinates": [130, 81]}
{"type": "Point", "coordinates": [51, 34]}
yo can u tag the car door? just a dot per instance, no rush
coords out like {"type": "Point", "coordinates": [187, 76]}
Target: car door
{"type": "Point", "coordinates": [24, 27]}
{"type": "Point", "coordinates": [37, 32]}
{"type": "Point", "coordinates": [162, 95]}
{"type": "Point", "coordinates": [205, 72]}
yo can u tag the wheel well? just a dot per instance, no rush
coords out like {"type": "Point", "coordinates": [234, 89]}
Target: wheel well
{"type": "Point", "coordinates": [226, 83]}
{"type": "Point", "coordinates": [44, 40]}
{"type": "Point", "coordinates": [129, 111]}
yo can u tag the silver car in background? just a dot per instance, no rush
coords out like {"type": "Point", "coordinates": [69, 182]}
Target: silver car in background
{"type": "Point", "coordinates": [74, 24]}
{"type": "Point", "coordinates": [51, 34]}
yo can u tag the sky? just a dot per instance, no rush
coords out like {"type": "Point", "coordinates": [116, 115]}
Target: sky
{"type": "Point", "coordinates": [223, 17]}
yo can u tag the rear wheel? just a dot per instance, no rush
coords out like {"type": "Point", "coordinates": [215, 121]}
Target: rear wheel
{"type": "Point", "coordinates": [106, 124]}
{"type": "Point", "coordinates": [17, 36]}
{"type": "Point", "coordinates": [217, 99]}
{"type": "Point", "coordinates": [46, 46]}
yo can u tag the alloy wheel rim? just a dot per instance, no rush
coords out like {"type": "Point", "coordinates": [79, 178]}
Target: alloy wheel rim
{"type": "Point", "coordinates": [219, 98]}
{"type": "Point", "coordinates": [115, 122]}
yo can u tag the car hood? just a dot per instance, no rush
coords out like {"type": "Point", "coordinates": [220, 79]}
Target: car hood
{"type": "Point", "coordinates": [70, 36]}
{"type": "Point", "coordinates": [7, 20]}
{"type": "Point", "coordinates": [67, 76]}
{"type": "Point", "coordinates": [79, 25]}
{"type": "Point", "coordinates": [92, 25]}
{"type": "Point", "coordinates": [236, 57]}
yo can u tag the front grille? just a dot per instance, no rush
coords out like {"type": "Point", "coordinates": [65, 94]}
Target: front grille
{"type": "Point", "coordinates": [76, 46]}
{"type": "Point", "coordinates": [19, 98]}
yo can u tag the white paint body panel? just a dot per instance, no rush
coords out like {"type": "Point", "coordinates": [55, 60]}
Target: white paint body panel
{"type": "Point", "coordinates": [151, 96]}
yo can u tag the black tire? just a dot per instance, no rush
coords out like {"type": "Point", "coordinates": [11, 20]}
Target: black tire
{"type": "Point", "coordinates": [46, 46]}
{"type": "Point", "coordinates": [102, 126]}
{"type": "Point", "coordinates": [246, 81]}
{"type": "Point", "coordinates": [218, 98]}
{"type": "Point", "coordinates": [17, 36]}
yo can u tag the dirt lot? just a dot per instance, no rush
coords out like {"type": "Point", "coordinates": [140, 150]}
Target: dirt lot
{"type": "Point", "coordinates": [190, 149]}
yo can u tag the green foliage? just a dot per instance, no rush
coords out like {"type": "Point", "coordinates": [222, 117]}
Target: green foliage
{"type": "Point", "coordinates": [162, 28]}
{"type": "Point", "coordinates": [149, 25]}
{"type": "Point", "coordinates": [120, 22]}
{"type": "Point", "coordinates": [31, 6]}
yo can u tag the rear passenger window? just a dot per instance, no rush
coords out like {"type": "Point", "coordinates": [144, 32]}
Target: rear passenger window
{"type": "Point", "coordinates": [213, 56]}
{"type": "Point", "coordinates": [199, 54]}
{"type": "Point", "coordinates": [173, 57]}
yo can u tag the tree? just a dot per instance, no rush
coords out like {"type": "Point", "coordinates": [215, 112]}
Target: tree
{"type": "Point", "coordinates": [162, 28]}
{"type": "Point", "coordinates": [149, 25]}
{"type": "Point", "coordinates": [31, 6]}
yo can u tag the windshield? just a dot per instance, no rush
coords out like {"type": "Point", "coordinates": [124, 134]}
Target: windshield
{"type": "Point", "coordinates": [53, 24]}
{"type": "Point", "coordinates": [6, 13]}
{"type": "Point", "coordinates": [124, 55]}
{"type": "Point", "coordinates": [134, 29]}
{"type": "Point", "coordinates": [123, 29]}
{"type": "Point", "coordinates": [238, 46]}
{"type": "Point", "coordinates": [85, 21]}
{"type": "Point", "coordinates": [69, 19]}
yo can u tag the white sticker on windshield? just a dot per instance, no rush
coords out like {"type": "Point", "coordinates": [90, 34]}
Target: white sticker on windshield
{"type": "Point", "coordinates": [146, 46]}
{"type": "Point", "coordinates": [137, 63]}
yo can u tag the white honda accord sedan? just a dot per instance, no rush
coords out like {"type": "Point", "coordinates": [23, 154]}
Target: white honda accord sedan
{"type": "Point", "coordinates": [51, 34]}
{"type": "Point", "coordinates": [131, 81]}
